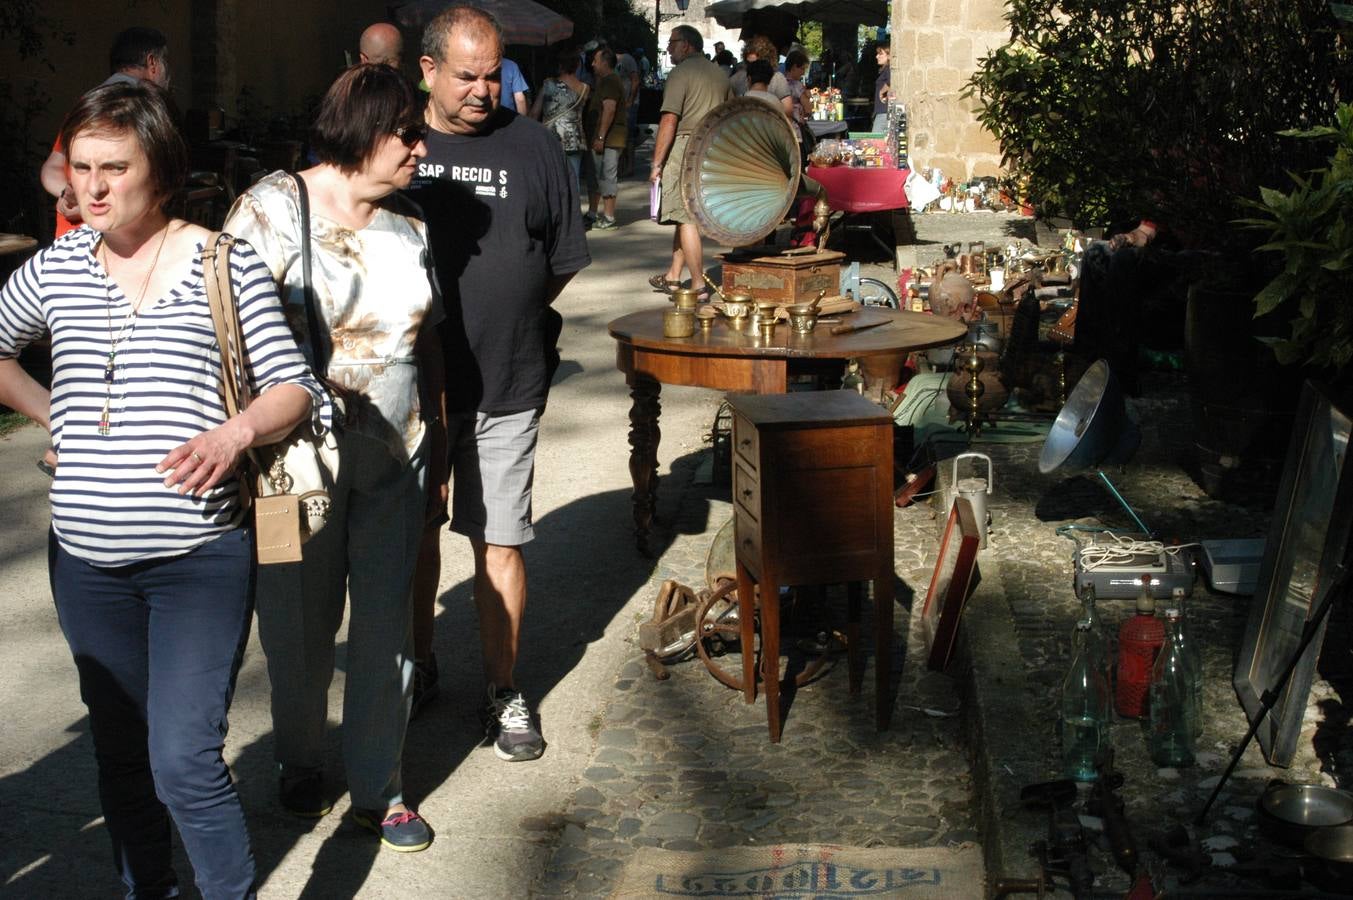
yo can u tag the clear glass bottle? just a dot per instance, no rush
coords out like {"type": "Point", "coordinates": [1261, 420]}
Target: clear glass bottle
{"type": "Point", "coordinates": [1193, 653]}
{"type": "Point", "coordinates": [1084, 717]}
{"type": "Point", "coordinates": [1099, 635]}
{"type": "Point", "coordinates": [1171, 736]}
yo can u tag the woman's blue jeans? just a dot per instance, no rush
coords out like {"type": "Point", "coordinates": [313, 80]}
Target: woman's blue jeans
{"type": "Point", "coordinates": [157, 645]}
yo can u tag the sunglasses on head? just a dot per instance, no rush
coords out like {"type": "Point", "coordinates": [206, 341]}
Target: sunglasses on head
{"type": "Point", "coordinates": [411, 134]}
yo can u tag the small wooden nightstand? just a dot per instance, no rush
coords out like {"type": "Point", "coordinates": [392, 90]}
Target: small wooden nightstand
{"type": "Point", "coordinates": [812, 492]}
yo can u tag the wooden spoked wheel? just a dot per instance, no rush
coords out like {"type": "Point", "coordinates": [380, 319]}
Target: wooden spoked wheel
{"type": "Point", "coordinates": [719, 629]}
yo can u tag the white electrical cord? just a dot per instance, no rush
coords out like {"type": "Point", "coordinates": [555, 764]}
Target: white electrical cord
{"type": "Point", "coordinates": [1125, 551]}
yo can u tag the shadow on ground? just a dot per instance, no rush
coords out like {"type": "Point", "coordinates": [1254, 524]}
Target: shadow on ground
{"type": "Point", "coordinates": [582, 569]}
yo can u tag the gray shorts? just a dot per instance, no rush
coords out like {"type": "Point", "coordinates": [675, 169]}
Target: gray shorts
{"type": "Point", "coordinates": [492, 468]}
{"type": "Point", "coordinates": [603, 177]}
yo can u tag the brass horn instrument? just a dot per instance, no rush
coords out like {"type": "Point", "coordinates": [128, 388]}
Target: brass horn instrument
{"type": "Point", "coordinates": [740, 172]}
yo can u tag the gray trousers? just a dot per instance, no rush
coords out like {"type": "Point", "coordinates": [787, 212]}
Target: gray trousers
{"type": "Point", "coordinates": [367, 552]}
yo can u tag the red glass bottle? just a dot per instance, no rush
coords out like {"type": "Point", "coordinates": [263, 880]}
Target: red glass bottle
{"type": "Point", "coordinates": [1139, 640]}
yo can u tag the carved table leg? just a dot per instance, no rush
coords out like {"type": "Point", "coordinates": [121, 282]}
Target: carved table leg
{"type": "Point", "coordinates": [644, 437]}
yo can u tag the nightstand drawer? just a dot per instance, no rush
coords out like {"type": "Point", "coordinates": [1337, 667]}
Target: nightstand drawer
{"type": "Point", "coordinates": [746, 442]}
{"type": "Point", "coordinates": [747, 539]}
{"type": "Point", "coordinates": [747, 490]}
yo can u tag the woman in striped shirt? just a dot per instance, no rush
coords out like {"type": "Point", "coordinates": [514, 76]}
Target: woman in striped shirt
{"type": "Point", "coordinates": [151, 561]}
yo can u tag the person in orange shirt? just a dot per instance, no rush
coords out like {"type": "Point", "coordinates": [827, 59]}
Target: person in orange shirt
{"type": "Point", "coordinates": [137, 54]}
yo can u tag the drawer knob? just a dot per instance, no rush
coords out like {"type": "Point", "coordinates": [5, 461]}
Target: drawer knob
{"type": "Point", "coordinates": [747, 542]}
{"type": "Point", "coordinates": [745, 442]}
{"type": "Point", "coordinates": [747, 492]}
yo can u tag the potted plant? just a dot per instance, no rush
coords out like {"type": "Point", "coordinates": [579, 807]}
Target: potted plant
{"type": "Point", "coordinates": [1310, 227]}
{"type": "Point", "coordinates": [1116, 112]}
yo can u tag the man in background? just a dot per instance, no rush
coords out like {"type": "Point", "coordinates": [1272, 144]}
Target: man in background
{"type": "Point", "coordinates": [137, 54]}
{"type": "Point", "coordinates": [723, 57]}
{"type": "Point", "coordinates": [515, 88]}
{"type": "Point", "coordinates": [694, 88]}
{"type": "Point", "coordinates": [381, 43]}
{"type": "Point", "coordinates": [628, 71]}
{"type": "Point", "coordinates": [604, 124]}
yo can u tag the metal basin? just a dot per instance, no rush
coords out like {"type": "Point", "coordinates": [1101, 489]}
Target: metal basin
{"type": "Point", "coordinates": [1332, 844]}
{"type": "Point", "coordinates": [1291, 813]}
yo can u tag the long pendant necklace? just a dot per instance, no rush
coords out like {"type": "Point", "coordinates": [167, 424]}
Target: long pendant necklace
{"type": "Point", "coordinates": [128, 322]}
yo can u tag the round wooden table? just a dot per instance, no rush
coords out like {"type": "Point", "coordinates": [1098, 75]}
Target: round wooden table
{"type": "Point", "coordinates": [16, 243]}
{"type": "Point", "coordinates": [741, 361]}
{"type": "Point", "coordinates": [14, 250]}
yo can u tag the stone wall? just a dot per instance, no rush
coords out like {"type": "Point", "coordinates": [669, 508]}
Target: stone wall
{"type": "Point", "coordinates": [935, 46]}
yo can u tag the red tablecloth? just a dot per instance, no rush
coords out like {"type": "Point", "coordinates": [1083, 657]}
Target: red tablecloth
{"type": "Point", "coordinates": [857, 189]}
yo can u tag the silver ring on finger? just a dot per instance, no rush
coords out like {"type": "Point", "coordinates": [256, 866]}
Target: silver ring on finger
{"type": "Point", "coordinates": [196, 457]}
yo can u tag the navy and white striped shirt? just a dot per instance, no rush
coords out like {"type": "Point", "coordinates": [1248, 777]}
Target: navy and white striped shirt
{"type": "Point", "coordinates": [109, 505]}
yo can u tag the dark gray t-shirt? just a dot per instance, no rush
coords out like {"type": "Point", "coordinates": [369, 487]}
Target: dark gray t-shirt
{"type": "Point", "coordinates": [502, 215]}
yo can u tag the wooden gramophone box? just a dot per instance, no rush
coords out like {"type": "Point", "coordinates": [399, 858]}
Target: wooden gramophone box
{"type": "Point", "coordinates": [784, 279]}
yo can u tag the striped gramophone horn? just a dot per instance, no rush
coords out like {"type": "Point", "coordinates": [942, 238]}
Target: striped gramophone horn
{"type": "Point", "coordinates": [740, 172]}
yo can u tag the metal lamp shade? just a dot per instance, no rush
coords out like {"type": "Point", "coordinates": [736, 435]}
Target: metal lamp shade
{"type": "Point", "coordinates": [1093, 426]}
{"type": "Point", "coordinates": [740, 172]}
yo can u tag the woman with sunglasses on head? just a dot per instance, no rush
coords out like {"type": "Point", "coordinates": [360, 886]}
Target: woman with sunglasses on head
{"type": "Point", "coordinates": [376, 308]}
{"type": "Point", "coordinates": [151, 556]}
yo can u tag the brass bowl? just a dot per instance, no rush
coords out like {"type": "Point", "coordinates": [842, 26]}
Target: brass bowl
{"type": "Point", "coordinates": [765, 310]}
{"type": "Point", "coordinates": [685, 298]}
{"type": "Point", "coordinates": [678, 323]}
{"type": "Point", "coordinates": [737, 313]}
{"type": "Point", "coordinates": [802, 318]}
{"type": "Point", "coordinates": [705, 314]}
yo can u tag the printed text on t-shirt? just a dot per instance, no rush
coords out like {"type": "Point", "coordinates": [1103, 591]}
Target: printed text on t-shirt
{"type": "Point", "coordinates": [476, 174]}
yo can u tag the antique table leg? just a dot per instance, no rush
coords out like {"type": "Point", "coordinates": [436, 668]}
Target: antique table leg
{"type": "Point", "coordinates": [644, 437]}
{"type": "Point", "coordinates": [854, 652]}
{"type": "Point", "coordinates": [770, 648]}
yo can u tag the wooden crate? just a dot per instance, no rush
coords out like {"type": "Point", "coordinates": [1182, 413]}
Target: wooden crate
{"type": "Point", "coordinates": [785, 279]}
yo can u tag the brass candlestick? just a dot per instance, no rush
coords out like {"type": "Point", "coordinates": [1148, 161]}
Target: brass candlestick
{"type": "Point", "coordinates": [971, 362]}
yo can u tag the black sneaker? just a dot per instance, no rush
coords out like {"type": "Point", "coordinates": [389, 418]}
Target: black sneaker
{"type": "Point", "coordinates": [405, 832]}
{"type": "Point", "coordinates": [511, 726]}
{"type": "Point", "coordinates": [301, 793]}
{"type": "Point", "coordinates": [424, 684]}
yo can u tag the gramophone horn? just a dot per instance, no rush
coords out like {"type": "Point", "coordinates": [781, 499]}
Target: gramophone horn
{"type": "Point", "coordinates": [1093, 426]}
{"type": "Point", "coordinates": [740, 172]}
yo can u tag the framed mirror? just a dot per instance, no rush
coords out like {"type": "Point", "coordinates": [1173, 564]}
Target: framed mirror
{"type": "Point", "coordinates": [1307, 537]}
{"type": "Point", "coordinates": [950, 584]}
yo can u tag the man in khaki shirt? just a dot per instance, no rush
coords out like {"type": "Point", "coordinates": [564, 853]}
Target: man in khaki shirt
{"type": "Point", "coordinates": [695, 87]}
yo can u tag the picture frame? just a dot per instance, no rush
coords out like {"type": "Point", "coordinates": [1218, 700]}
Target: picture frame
{"type": "Point", "coordinates": [950, 584]}
{"type": "Point", "coordinates": [1311, 524]}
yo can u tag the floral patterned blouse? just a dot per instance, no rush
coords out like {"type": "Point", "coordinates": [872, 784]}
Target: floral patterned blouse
{"type": "Point", "coordinates": [561, 112]}
{"type": "Point", "coordinates": [375, 293]}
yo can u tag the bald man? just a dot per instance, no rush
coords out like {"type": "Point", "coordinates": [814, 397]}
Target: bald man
{"type": "Point", "coordinates": [381, 43]}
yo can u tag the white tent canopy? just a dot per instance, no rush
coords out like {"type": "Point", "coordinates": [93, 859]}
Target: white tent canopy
{"type": "Point", "coordinates": [729, 13]}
